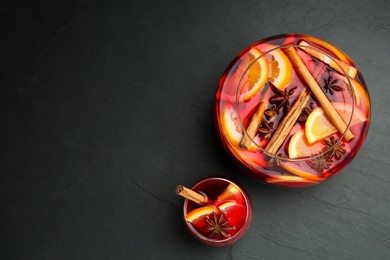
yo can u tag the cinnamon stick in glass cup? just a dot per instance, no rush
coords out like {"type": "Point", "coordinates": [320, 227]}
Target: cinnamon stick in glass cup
{"type": "Point", "coordinates": [224, 218]}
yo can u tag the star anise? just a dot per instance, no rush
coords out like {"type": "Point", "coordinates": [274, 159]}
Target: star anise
{"type": "Point", "coordinates": [275, 160]}
{"type": "Point", "coordinates": [336, 148]}
{"type": "Point", "coordinates": [266, 130]}
{"type": "Point", "coordinates": [217, 227]}
{"type": "Point", "coordinates": [321, 162]}
{"type": "Point", "coordinates": [331, 85]}
{"type": "Point", "coordinates": [281, 98]}
{"type": "Point", "coordinates": [271, 112]}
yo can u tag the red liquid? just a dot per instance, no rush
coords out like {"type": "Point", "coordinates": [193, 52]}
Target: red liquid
{"type": "Point", "coordinates": [238, 215]}
{"type": "Point", "coordinates": [233, 115]}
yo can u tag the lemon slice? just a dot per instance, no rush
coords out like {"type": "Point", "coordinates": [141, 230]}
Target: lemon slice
{"type": "Point", "coordinates": [255, 77]}
{"type": "Point", "coordinates": [299, 146]}
{"type": "Point", "coordinates": [279, 68]}
{"type": "Point", "coordinates": [318, 126]}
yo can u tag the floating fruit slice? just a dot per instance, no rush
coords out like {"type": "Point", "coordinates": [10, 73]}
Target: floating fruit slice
{"type": "Point", "coordinates": [291, 181]}
{"type": "Point", "coordinates": [360, 93]}
{"type": "Point", "coordinates": [235, 213]}
{"type": "Point", "coordinates": [318, 125]}
{"type": "Point", "coordinates": [254, 77]}
{"type": "Point", "coordinates": [295, 168]}
{"type": "Point", "coordinates": [232, 128]}
{"type": "Point", "coordinates": [299, 146]}
{"type": "Point", "coordinates": [253, 159]}
{"type": "Point", "coordinates": [231, 193]}
{"type": "Point", "coordinates": [356, 86]}
{"type": "Point", "coordinates": [337, 65]}
{"type": "Point", "coordinates": [339, 54]}
{"type": "Point", "coordinates": [197, 216]}
{"type": "Point", "coordinates": [357, 89]}
{"type": "Point", "coordinates": [345, 111]}
{"type": "Point", "coordinates": [279, 68]}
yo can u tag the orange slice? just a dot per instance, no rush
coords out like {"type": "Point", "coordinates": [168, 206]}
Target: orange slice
{"type": "Point", "coordinates": [300, 147]}
{"type": "Point", "coordinates": [345, 111]}
{"type": "Point", "coordinates": [291, 181]}
{"type": "Point", "coordinates": [279, 68]}
{"type": "Point", "coordinates": [253, 159]}
{"type": "Point", "coordinates": [226, 205]}
{"type": "Point", "coordinates": [358, 90]}
{"type": "Point", "coordinates": [236, 214]}
{"type": "Point", "coordinates": [200, 213]}
{"type": "Point", "coordinates": [337, 65]}
{"type": "Point", "coordinates": [255, 76]}
{"type": "Point", "coordinates": [294, 168]}
{"type": "Point", "coordinates": [340, 55]}
{"type": "Point", "coordinates": [231, 194]}
{"type": "Point", "coordinates": [318, 126]}
{"type": "Point", "coordinates": [355, 85]}
{"type": "Point", "coordinates": [232, 128]}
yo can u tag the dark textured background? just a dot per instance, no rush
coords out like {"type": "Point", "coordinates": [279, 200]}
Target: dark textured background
{"type": "Point", "coordinates": [107, 105]}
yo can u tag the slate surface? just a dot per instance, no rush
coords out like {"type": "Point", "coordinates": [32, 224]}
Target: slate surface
{"type": "Point", "coordinates": [107, 105]}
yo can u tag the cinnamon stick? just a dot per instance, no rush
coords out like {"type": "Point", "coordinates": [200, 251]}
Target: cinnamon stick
{"type": "Point", "coordinates": [348, 69]}
{"type": "Point", "coordinates": [330, 111]}
{"type": "Point", "coordinates": [287, 123]}
{"type": "Point", "coordinates": [290, 119]}
{"type": "Point", "coordinates": [253, 126]}
{"type": "Point", "coordinates": [191, 195]}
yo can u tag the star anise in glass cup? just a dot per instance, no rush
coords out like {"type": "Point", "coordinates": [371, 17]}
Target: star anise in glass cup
{"type": "Point", "coordinates": [217, 227]}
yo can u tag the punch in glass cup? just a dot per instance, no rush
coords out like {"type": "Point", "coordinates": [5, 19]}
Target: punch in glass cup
{"type": "Point", "coordinates": [292, 110]}
{"type": "Point", "coordinates": [217, 211]}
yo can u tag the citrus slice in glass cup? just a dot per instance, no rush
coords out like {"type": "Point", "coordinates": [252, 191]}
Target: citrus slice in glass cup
{"type": "Point", "coordinates": [226, 217]}
{"type": "Point", "coordinates": [315, 116]}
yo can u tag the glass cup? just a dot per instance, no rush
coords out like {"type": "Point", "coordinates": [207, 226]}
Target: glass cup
{"type": "Point", "coordinates": [292, 110]}
{"type": "Point", "coordinates": [225, 217]}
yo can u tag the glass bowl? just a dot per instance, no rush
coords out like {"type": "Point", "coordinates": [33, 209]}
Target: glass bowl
{"type": "Point", "coordinates": [292, 110]}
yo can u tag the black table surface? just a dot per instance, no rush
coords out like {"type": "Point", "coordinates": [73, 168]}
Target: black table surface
{"type": "Point", "coordinates": [107, 105]}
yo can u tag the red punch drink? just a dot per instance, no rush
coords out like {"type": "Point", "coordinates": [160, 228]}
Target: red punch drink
{"type": "Point", "coordinates": [292, 110]}
{"type": "Point", "coordinates": [224, 218]}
